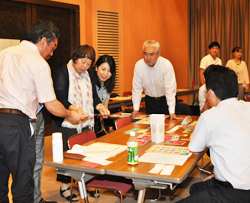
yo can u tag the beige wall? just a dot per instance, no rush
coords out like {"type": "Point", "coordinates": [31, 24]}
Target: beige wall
{"type": "Point", "coordinates": [163, 20]}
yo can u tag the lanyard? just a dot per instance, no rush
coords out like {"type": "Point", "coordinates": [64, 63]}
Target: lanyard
{"type": "Point", "coordinates": [102, 97]}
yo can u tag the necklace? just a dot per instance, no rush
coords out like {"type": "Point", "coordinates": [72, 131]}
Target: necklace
{"type": "Point", "coordinates": [237, 63]}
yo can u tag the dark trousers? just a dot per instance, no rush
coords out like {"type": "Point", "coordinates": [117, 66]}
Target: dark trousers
{"type": "Point", "coordinates": [159, 106]}
{"type": "Point", "coordinates": [213, 191]}
{"type": "Point", "coordinates": [17, 156]}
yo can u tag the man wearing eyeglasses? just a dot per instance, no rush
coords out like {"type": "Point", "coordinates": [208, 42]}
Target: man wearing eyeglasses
{"type": "Point", "coordinates": [155, 76]}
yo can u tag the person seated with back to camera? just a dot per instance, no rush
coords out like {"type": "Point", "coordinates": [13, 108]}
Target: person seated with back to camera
{"type": "Point", "coordinates": [203, 101]}
{"type": "Point", "coordinates": [225, 130]}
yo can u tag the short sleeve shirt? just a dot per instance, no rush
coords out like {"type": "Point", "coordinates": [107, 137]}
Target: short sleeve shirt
{"type": "Point", "coordinates": [25, 79]}
{"type": "Point", "coordinates": [208, 60]}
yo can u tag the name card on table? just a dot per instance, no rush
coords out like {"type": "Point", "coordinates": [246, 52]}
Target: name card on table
{"type": "Point", "coordinates": [186, 120]}
{"type": "Point", "coordinates": [157, 125]}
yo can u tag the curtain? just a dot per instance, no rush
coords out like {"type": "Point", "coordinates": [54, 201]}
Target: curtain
{"type": "Point", "coordinates": [224, 21]}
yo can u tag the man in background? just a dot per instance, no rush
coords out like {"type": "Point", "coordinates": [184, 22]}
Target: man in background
{"type": "Point", "coordinates": [25, 81]}
{"type": "Point", "coordinates": [211, 58]}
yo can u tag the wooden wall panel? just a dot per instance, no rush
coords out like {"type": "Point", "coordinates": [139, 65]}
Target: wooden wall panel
{"type": "Point", "coordinates": [163, 20]}
{"type": "Point", "coordinates": [13, 28]}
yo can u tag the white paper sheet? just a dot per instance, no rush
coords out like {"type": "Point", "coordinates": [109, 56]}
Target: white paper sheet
{"type": "Point", "coordinates": [173, 129]}
{"type": "Point", "coordinates": [145, 120]}
{"type": "Point", "coordinates": [98, 152]}
{"type": "Point", "coordinates": [167, 170]}
{"type": "Point", "coordinates": [101, 146]}
{"type": "Point", "coordinates": [77, 149]}
{"type": "Point", "coordinates": [161, 158]}
{"type": "Point", "coordinates": [120, 98]}
{"type": "Point", "coordinates": [157, 168]}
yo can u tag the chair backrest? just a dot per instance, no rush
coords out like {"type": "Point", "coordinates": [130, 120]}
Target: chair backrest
{"type": "Point", "coordinates": [129, 93]}
{"type": "Point", "coordinates": [81, 138]}
{"type": "Point", "coordinates": [247, 98]}
{"type": "Point", "coordinates": [122, 122]}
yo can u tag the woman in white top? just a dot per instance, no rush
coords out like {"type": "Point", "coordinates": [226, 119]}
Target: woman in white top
{"type": "Point", "coordinates": [240, 69]}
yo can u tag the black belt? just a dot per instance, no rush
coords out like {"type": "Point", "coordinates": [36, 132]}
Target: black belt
{"type": "Point", "coordinates": [225, 184]}
{"type": "Point", "coordinates": [13, 111]}
{"type": "Point", "coordinates": [156, 98]}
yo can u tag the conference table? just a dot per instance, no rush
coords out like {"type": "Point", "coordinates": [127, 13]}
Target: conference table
{"type": "Point", "coordinates": [139, 173]}
{"type": "Point", "coordinates": [127, 100]}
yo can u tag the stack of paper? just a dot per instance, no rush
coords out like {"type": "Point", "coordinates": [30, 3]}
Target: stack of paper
{"type": "Point", "coordinates": [98, 152]}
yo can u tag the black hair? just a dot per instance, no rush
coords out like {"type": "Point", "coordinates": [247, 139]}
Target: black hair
{"type": "Point", "coordinates": [110, 83]}
{"type": "Point", "coordinates": [42, 28]}
{"type": "Point", "coordinates": [208, 71]}
{"type": "Point", "coordinates": [236, 49]}
{"type": "Point", "coordinates": [84, 51]}
{"type": "Point", "coordinates": [223, 81]}
{"type": "Point", "coordinates": [214, 44]}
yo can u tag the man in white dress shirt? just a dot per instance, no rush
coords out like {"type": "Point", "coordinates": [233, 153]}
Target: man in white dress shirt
{"type": "Point", "coordinates": [225, 130]}
{"type": "Point", "coordinates": [211, 58]}
{"type": "Point", "coordinates": [25, 81]}
{"type": "Point", "coordinates": [155, 76]}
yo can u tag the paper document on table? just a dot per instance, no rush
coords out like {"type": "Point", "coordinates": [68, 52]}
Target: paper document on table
{"type": "Point", "coordinates": [147, 120]}
{"type": "Point", "coordinates": [167, 170]}
{"type": "Point", "coordinates": [102, 152]}
{"type": "Point", "coordinates": [122, 115]}
{"type": "Point", "coordinates": [101, 146]}
{"type": "Point", "coordinates": [173, 129]}
{"type": "Point", "coordinates": [140, 117]}
{"type": "Point", "coordinates": [157, 168]}
{"type": "Point", "coordinates": [77, 149]}
{"type": "Point", "coordinates": [98, 151]}
{"type": "Point", "coordinates": [144, 121]}
{"type": "Point", "coordinates": [120, 98]}
{"type": "Point", "coordinates": [160, 158]}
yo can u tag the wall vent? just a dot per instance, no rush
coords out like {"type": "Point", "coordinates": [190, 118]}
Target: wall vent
{"type": "Point", "coordinates": [108, 40]}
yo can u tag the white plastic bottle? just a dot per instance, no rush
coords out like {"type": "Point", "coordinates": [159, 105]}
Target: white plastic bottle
{"type": "Point", "coordinates": [57, 147]}
{"type": "Point", "coordinates": [132, 149]}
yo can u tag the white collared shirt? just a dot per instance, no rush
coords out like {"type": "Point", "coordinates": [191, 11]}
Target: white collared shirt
{"type": "Point", "coordinates": [225, 129]}
{"type": "Point", "coordinates": [25, 79]}
{"type": "Point", "coordinates": [202, 96]}
{"type": "Point", "coordinates": [208, 60]}
{"type": "Point", "coordinates": [155, 81]}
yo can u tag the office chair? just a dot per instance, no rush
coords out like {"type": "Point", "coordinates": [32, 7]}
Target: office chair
{"type": "Point", "coordinates": [80, 139]}
{"type": "Point", "coordinates": [122, 122]}
{"type": "Point", "coordinates": [122, 188]}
